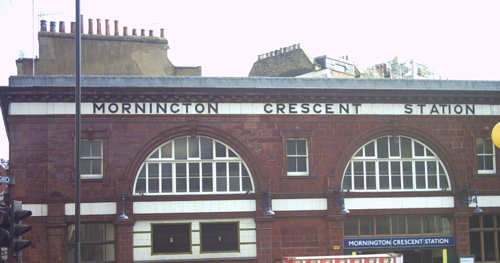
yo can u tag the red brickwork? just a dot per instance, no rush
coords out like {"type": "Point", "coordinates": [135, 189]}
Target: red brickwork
{"type": "Point", "coordinates": [42, 157]}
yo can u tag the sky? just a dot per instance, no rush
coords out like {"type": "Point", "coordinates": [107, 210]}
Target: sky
{"type": "Point", "coordinates": [457, 39]}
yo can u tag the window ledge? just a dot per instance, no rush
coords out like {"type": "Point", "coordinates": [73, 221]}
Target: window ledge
{"type": "Point", "coordinates": [311, 177]}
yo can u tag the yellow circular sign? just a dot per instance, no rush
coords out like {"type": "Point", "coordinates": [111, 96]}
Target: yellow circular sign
{"type": "Point", "coordinates": [495, 135]}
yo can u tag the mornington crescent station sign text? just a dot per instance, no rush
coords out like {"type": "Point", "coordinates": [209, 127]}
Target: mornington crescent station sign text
{"type": "Point", "coordinates": [193, 108]}
{"type": "Point", "coordinates": [282, 108]}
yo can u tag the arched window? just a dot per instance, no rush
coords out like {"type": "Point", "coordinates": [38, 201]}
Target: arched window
{"type": "Point", "coordinates": [198, 165]}
{"type": "Point", "coordinates": [395, 163]}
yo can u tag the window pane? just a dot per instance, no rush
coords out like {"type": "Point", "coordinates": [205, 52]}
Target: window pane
{"type": "Point", "coordinates": [445, 224]}
{"type": "Point", "coordinates": [406, 150]}
{"type": "Point", "coordinates": [489, 245]}
{"type": "Point", "coordinates": [85, 166]}
{"type": "Point", "coordinates": [301, 164]}
{"type": "Point", "coordinates": [474, 221]}
{"type": "Point", "coordinates": [166, 150]}
{"type": "Point", "coordinates": [221, 176]}
{"type": "Point", "coordinates": [234, 176]}
{"type": "Point", "coordinates": [291, 149]}
{"type": "Point", "coordinates": [366, 226]}
{"type": "Point", "coordinates": [194, 147]}
{"type": "Point", "coordinates": [301, 147]}
{"type": "Point", "coordinates": [383, 226]}
{"type": "Point", "coordinates": [370, 150]}
{"type": "Point", "coordinates": [153, 178]}
{"type": "Point", "coordinates": [194, 177]}
{"type": "Point", "coordinates": [429, 224]}
{"type": "Point", "coordinates": [207, 148]}
{"type": "Point", "coordinates": [207, 175]}
{"type": "Point", "coordinates": [96, 148]}
{"type": "Point", "coordinates": [398, 225]}
{"type": "Point", "coordinates": [247, 183]}
{"type": "Point", "coordinates": [382, 148]}
{"type": "Point", "coordinates": [291, 164]}
{"type": "Point", "coordinates": [220, 150]}
{"type": "Point", "coordinates": [166, 177]}
{"type": "Point", "coordinates": [419, 149]}
{"type": "Point", "coordinates": [351, 226]}
{"type": "Point", "coordinates": [414, 226]}
{"type": "Point", "coordinates": [180, 148]}
{"type": "Point", "coordinates": [394, 145]}
{"type": "Point", "coordinates": [96, 166]}
{"type": "Point", "coordinates": [181, 177]}
{"type": "Point", "coordinates": [475, 245]}
{"type": "Point", "coordinates": [487, 221]}
{"type": "Point", "coordinates": [85, 148]}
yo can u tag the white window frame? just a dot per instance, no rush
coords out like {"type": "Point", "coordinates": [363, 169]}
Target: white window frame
{"type": "Point", "coordinates": [149, 183]}
{"type": "Point", "coordinates": [399, 166]}
{"type": "Point", "coordinates": [491, 155]}
{"type": "Point", "coordinates": [306, 156]}
{"type": "Point", "coordinates": [93, 157]}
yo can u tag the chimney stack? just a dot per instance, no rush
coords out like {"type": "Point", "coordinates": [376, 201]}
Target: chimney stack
{"type": "Point", "coordinates": [98, 21]}
{"type": "Point", "coordinates": [91, 27]}
{"type": "Point", "coordinates": [43, 25]}
{"type": "Point", "coordinates": [107, 27]}
{"type": "Point", "coordinates": [62, 28]}
{"type": "Point", "coordinates": [117, 31]}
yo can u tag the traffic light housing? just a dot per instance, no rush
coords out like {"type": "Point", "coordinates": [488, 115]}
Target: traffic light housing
{"type": "Point", "coordinates": [4, 227]}
{"type": "Point", "coordinates": [17, 229]}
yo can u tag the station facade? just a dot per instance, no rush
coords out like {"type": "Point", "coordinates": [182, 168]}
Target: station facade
{"type": "Point", "coordinates": [205, 169]}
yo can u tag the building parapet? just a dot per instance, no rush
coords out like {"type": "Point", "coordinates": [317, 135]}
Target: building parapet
{"type": "Point", "coordinates": [279, 51]}
{"type": "Point", "coordinates": [253, 82]}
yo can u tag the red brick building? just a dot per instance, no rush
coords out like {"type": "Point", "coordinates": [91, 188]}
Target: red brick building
{"type": "Point", "coordinates": [255, 169]}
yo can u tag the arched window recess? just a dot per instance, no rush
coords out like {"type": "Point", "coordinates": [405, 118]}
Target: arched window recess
{"type": "Point", "coordinates": [395, 163]}
{"type": "Point", "coordinates": [199, 165]}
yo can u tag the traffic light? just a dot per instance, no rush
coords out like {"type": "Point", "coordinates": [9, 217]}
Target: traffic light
{"type": "Point", "coordinates": [4, 227]}
{"type": "Point", "coordinates": [17, 228]}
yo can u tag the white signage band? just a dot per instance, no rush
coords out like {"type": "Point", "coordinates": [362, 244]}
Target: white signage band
{"type": "Point", "coordinates": [171, 108]}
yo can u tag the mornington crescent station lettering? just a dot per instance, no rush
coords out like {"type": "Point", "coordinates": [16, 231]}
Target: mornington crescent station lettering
{"type": "Point", "coordinates": [156, 108]}
{"type": "Point", "coordinates": [283, 108]}
{"type": "Point", "coordinates": [399, 242]}
{"type": "Point", "coordinates": [214, 108]}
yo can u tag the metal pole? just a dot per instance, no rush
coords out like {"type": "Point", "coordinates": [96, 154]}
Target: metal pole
{"type": "Point", "coordinates": [78, 99]}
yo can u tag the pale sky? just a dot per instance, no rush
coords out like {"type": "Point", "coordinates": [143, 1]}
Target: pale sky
{"type": "Point", "coordinates": [457, 39]}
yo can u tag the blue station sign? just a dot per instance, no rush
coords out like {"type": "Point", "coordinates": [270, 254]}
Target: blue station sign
{"type": "Point", "coordinates": [387, 242]}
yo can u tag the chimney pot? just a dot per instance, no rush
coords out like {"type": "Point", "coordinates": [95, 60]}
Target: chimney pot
{"type": "Point", "coordinates": [98, 21]}
{"type": "Point", "coordinates": [81, 24]}
{"type": "Point", "coordinates": [162, 32]}
{"type": "Point", "coordinates": [143, 32]}
{"type": "Point", "coordinates": [150, 33]}
{"type": "Point", "coordinates": [62, 28]}
{"type": "Point", "coordinates": [117, 31]}
{"type": "Point", "coordinates": [52, 26]}
{"type": "Point", "coordinates": [125, 31]}
{"type": "Point", "coordinates": [91, 27]}
{"type": "Point", "coordinates": [73, 27]}
{"type": "Point", "coordinates": [107, 26]}
{"type": "Point", "coordinates": [43, 25]}
{"type": "Point", "coordinates": [134, 32]}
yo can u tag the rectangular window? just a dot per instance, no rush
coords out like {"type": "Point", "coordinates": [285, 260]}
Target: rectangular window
{"type": "Point", "coordinates": [485, 156]}
{"type": "Point", "coordinates": [171, 238]}
{"type": "Point", "coordinates": [96, 242]}
{"type": "Point", "coordinates": [397, 225]}
{"type": "Point", "coordinates": [297, 157]}
{"type": "Point", "coordinates": [485, 237]}
{"type": "Point", "coordinates": [219, 237]}
{"type": "Point", "coordinates": [91, 159]}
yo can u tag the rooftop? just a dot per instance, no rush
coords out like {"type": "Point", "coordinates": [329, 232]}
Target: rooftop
{"type": "Point", "coordinates": [252, 82]}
